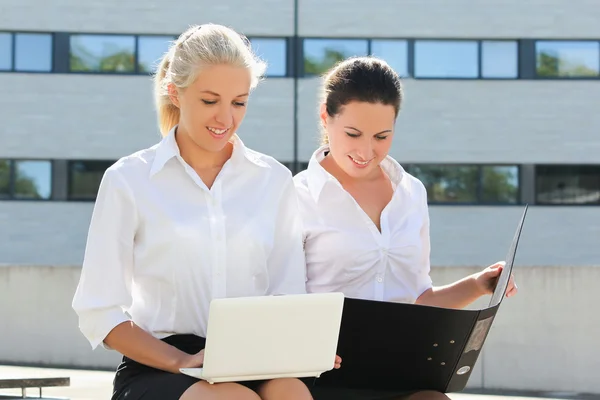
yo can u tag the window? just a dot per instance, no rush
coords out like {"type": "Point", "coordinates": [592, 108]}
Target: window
{"type": "Point", "coordinates": [499, 59]}
{"type": "Point", "coordinates": [102, 53]}
{"type": "Point", "coordinates": [33, 52]}
{"type": "Point", "coordinates": [567, 58]}
{"type": "Point", "coordinates": [487, 184]}
{"type": "Point", "coordinates": [4, 179]}
{"type": "Point", "coordinates": [5, 51]}
{"type": "Point", "coordinates": [85, 178]}
{"type": "Point", "coordinates": [273, 51]}
{"type": "Point", "coordinates": [446, 59]}
{"type": "Point", "coordinates": [151, 50]}
{"type": "Point", "coordinates": [322, 54]}
{"type": "Point", "coordinates": [448, 183]}
{"type": "Point", "coordinates": [567, 184]}
{"type": "Point", "coordinates": [33, 179]}
{"type": "Point", "coordinates": [500, 184]}
{"type": "Point", "coordinates": [394, 52]}
{"type": "Point", "coordinates": [25, 179]}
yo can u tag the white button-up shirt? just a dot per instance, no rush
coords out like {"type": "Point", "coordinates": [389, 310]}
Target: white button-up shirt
{"type": "Point", "coordinates": [161, 245]}
{"type": "Point", "coordinates": [344, 249]}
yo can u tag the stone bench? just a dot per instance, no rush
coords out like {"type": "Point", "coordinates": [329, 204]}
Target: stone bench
{"type": "Point", "coordinates": [27, 383]}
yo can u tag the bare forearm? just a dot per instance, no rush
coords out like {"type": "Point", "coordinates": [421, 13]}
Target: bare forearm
{"type": "Point", "coordinates": [455, 295]}
{"type": "Point", "coordinates": [138, 345]}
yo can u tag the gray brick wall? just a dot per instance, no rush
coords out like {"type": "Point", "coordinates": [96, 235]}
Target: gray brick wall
{"type": "Point", "coordinates": [268, 17]}
{"type": "Point", "coordinates": [457, 18]}
{"type": "Point", "coordinates": [106, 117]}
{"type": "Point", "coordinates": [484, 121]}
{"type": "Point", "coordinates": [55, 234]}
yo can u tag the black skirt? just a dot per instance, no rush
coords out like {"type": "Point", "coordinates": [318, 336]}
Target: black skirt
{"type": "Point", "coordinates": [333, 393]}
{"type": "Point", "coordinates": [135, 381]}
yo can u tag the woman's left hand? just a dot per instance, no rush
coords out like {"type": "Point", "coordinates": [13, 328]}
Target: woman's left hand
{"type": "Point", "coordinates": [486, 280]}
{"type": "Point", "coordinates": [338, 362]}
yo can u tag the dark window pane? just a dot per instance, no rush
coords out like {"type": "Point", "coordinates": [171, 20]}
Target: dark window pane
{"type": "Point", "coordinates": [273, 51]}
{"type": "Point", "coordinates": [568, 184]}
{"type": "Point", "coordinates": [33, 52]}
{"type": "Point", "coordinates": [98, 53]}
{"type": "Point", "coordinates": [322, 54]}
{"type": "Point", "coordinates": [448, 183]}
{"type": "Point", "coordinates": [500, 184]}
{"type": "Point", "coordinates": [151, 50]}
{"type": "Point", "coordinates": [4, 178]}
{"type": "Point", "coordinates": [85, 177]}
{"type": "Point", "coordinates": [499, 59]}
{"type": "Point", "coordinates": [567, 58]}
{"type": "Point", "coordinates": [394, 52]}
{"type": "Point", "coordinates": [446, 59]}
{"type": "Point", "coordinates": [33, 179]}
{"type": "Point", "coordinates": [5, 51]}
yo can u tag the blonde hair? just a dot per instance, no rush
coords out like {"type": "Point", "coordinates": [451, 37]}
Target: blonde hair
{"type": "Point", "coordinates": [198, 47]}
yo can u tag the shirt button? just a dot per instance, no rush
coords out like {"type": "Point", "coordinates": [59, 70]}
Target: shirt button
{"type": "Point", "coordinates": [379, 279]}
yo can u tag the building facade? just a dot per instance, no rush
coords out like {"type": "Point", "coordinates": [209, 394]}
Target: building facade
{"type": "Point", "coordinates": [500, 110]}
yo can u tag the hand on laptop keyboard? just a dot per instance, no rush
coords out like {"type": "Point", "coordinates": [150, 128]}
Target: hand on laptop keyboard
{"type": "Point", "coordinates": [193, 360]}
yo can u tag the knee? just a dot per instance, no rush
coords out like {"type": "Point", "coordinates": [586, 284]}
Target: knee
{"type": "Point", "coordinates": [218, 391]}
{"type": "Point", "coordinates": [284, 388]}
{"type": "Point", "coordinates": [428, 395]}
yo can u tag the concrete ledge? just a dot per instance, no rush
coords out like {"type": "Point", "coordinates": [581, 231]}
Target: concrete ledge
{"type": "Point", "coordinates": [544, 339]}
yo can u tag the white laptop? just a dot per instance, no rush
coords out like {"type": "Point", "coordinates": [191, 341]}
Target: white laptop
{"type": "Point", "coordinates": [267, 337]}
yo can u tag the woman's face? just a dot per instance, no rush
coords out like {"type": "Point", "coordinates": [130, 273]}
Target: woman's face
{"type": "Point", "coordinates": [360, 136]}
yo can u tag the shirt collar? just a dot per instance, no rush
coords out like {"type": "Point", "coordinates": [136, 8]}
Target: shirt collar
{"type": "Point", "coordinates": [318, 177]}
{"type": "Point", "coordinates": [167, 148]}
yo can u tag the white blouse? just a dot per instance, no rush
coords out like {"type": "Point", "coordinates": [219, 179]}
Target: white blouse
{"type": "Point", "coordinates": [161, 245]}
{"type": "Point", "coordinates": [344, 249]}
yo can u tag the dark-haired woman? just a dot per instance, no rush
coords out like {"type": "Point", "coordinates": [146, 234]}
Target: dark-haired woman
{"type": "Point", "coordinates": [366, 220]}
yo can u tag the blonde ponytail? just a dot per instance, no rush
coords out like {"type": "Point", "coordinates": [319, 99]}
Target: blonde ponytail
{"type": "Point", "coordinates": [168, 113]}
{"type": "Point", "coordinates": [197, 47]}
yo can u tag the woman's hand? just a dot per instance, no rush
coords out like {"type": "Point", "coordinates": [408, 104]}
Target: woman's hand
{"type": "Point", "coordinates": [192, 360]}
{"type": "Point", "coordinates": [338, 362]}
{"type": "Point", "coordinates": [486, 280]}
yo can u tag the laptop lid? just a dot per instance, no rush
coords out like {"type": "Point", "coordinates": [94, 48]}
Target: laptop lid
{"type": "Point", "coordinates": [267, 337]}
{"type": "Point", "coordinates": [502, 282]}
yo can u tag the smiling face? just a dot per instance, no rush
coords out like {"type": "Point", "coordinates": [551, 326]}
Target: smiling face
{"type": "Point", "coordinates": [213, 107]}
{"type": "Point", "coordinates": [360, 136]}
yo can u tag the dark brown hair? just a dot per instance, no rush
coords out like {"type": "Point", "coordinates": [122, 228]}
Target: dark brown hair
{"type": "Point", "coordinates": [365, 79]}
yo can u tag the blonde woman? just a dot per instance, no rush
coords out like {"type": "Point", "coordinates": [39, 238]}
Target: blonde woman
{"type": "Point", "coordinates": [197, 216]}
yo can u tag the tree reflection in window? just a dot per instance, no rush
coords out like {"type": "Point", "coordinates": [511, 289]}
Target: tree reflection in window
{"type": "Point", "coordinates": [33, 179]}
{"type": "Point", "coordinates": [102, 53]}
{"type": "Point", "coordinates": [448, 183]}
{"type": "Point", "coordinates": [322, 54]}
{"type": "Point", "coordinates": [469, 183]}
{"type": "Point", "coordinates": [499, 184]}
{"type": "Point", "coordinates": [4, 178]}
{"type": "Point", "coordinates": [567, 59]}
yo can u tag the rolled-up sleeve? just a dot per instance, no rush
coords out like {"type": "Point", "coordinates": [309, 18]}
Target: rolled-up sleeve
{"type": "Point", "coordinates": [104, 289]}
{"type": "Point", "coordinates": [286, 263]}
